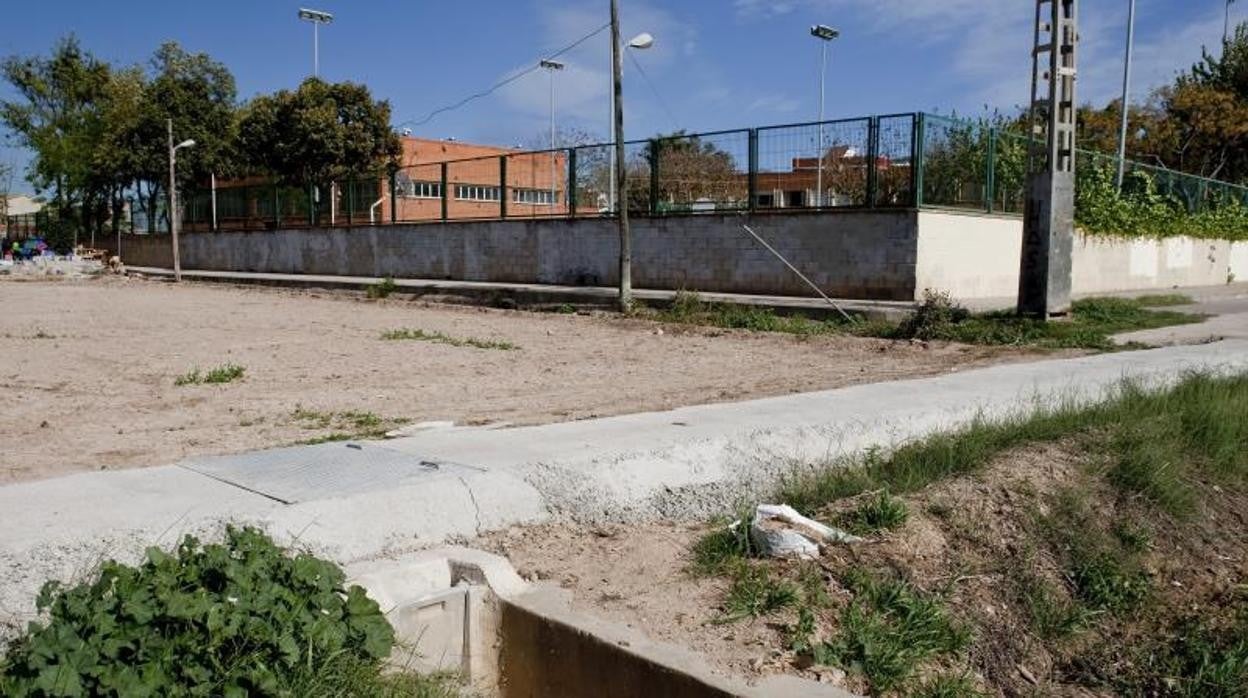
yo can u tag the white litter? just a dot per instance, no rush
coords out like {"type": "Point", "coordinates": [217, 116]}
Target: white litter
{"type": "Point", "coordinates": [779, 531]}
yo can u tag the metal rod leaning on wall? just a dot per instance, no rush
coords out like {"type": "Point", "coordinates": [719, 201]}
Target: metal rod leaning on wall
{"type": "Point", "coordinates": [800, 275]}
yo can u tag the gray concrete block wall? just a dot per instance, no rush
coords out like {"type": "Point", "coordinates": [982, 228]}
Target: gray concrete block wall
{"type": "Point", "coordinates": [858, 254]}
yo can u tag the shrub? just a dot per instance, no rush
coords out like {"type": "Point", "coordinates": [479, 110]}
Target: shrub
{"type": "Point", "coordinates": [233, 619]}
{"type": "Point", "coordinates": [382, 289]}
{"type": "Point", "coordinates": [934, 318]}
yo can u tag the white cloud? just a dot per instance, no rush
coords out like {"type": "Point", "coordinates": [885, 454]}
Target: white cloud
{"type": "Point", "coordinates": [987, 42]}
{"type": "Point", "coordinates": [775, 104]}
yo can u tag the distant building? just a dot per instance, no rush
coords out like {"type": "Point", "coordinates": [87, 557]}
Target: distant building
{"type": "Point", "coordinates": [19, 216]}
{"type": "Point", "coordinates": [535, 184]}
{"type": "Point", "coordinates": [844, 178]}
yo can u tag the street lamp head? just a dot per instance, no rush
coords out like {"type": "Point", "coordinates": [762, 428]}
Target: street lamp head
{"type": "Point", "coordinates": [642, 41]}
{"type": "Point", "coordinates": [315, 16]}
{"type": "Point", "coordinates": [551, 65]}
{"type": "Point", "coordinates": [824, 32]}
{"type": "Point", "coordinates": [184, 144]}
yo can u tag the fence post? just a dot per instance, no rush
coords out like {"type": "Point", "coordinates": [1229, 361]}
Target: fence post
{"type": "Point", "coordinates": [351, 201]}
{"type": "Point", "coordinates": [394, 200]}
{"type": "Point", "coordinates": [311, 205]}
{"type": "Point", "coordinates": [752, 184]}
{"type": "Point", "coordinates": [446, 208]}
{"type": "Point", "coordinates": [873, 150]}
{"type": "Point", "coordinates": [990, 175]}
{"type": "Point", "coordinates": [571, 194]}
{"type": "Point", "coordinates": [277, 206]}
{"type": "Point", "coordinates": [916, 158]}
{"type": "Point", "coordinates": [655, 145]}
{"type": "Point", "coordinates": [502, 186]}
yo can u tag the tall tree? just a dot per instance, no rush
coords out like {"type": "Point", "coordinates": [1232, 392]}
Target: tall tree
{"type": "Point", "coordinates": [319, 133]}
{"type": "Point", "coordinates": [199, 95]}
{"type": "Point", "coordinates": [57, 116]}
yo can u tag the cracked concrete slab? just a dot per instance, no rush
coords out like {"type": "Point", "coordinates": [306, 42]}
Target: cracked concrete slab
{"type": "Point", "coordinates": [684, 463]}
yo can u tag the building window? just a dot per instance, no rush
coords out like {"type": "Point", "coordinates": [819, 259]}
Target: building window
{"type": "Point", "coordinates": [535, 197]}
{"type": "Point", "coordinates": [476, 192]}
{"type": "Point", "coordinates": [420, 190]}
{"type": "Point", "coordinates": [795, 199]}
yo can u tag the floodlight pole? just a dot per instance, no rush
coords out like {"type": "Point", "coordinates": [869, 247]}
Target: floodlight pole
{"type": "Point", "coordinates": [1126, 86]}
{"type": "Point", "coordinates": [552, 67]}
{"type": "Point", "coordinates": [317, 18]}
{"type": "Point", "coordinates": [825, 34]}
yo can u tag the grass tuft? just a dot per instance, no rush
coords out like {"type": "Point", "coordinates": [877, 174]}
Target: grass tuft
{"type": "Point", "coordinates": [409, 334]}
{"type": "Point", "coordinates": [346, 426]}
{"type": "Point", "coordinates": [382, 289]}
{"type": "Point", "coordinates": [754, 592]}
{"type": "Point", "coordinates": [227, 373]}
{"type": "Point", "coordinates": [888, 630]}
{"type": "Point", "coordinates": [882, 512]}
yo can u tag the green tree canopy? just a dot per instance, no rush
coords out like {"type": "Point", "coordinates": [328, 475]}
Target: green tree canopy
{"type": "Point", "coordinates": [318, 133]}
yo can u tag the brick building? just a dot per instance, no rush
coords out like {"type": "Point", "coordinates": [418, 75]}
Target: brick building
{"type": "Point", "coordinates": [477, 177]}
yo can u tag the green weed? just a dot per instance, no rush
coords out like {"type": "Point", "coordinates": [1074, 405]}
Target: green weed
{"type": "Point", "coordinates": [382, 289]}
{"type": "Point", "coordinates": [408, 334]}
{"type": "Point", "coordinates": [881, 512]}
{"type": "Point", "coordinates": [724, 545]}
{"type": "Point", "coordinates": [948, 686]}
{"type": "Point", "coordinates": [888, 630]}
{"type": "Point", "coordinates": [348, 425]}
{"type": "Point", "coordinates": [1164, 299]}
{"type": "Point", "coordinates": [227, 373]}
{"type": "Point", "coordinates": [755, 592]}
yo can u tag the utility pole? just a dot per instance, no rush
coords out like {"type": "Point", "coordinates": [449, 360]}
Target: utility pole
{"type": "Point", "coordinates": [173, 205]}
{"type": "Point", "coordinates": [1049, 220]}
{"type": "Point", "coordinates": [1126, 91]}
{"type": "Point", "coordinates": [617, 89]}
{"type": "Point", "coordinates": [173, 198]}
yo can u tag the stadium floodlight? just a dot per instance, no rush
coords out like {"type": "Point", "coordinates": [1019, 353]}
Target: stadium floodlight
{"type": "Point", "coordinates": [825, 34]}
{"type": "Point", "coordinates": [317, 18]}
{"type": "Point", "coordinates": [823, 31]}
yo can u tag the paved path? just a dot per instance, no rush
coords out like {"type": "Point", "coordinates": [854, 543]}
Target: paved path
{"type": "Point", "coordinates": [1229, 311]}
{"type": "Point", "coordinates": [453, 483]}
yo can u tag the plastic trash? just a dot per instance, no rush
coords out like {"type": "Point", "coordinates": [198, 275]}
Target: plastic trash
{"type": "Point", "coordinates": [779, 531]}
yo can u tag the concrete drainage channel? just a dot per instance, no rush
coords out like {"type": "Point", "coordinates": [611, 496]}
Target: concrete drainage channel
{"type": "Point", "coordinates": [468, 612]}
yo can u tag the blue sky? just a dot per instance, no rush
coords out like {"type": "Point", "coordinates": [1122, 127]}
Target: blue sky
{"type": "Point", "coordinates": [716, 64]}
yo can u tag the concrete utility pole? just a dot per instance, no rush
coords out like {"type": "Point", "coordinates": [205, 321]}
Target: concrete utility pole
{"type": "Point", "coordinates": [1049, 221]}
{"type": "Point", "coordinates": [617, 89]}
{"type": "Point", "coordinates": [173, 198]}
{"type": "Point", "coordinates": [1126, 92]}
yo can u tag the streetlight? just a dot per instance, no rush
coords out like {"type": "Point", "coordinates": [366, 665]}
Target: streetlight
{"type": "Point", "coordinates": [1126, 85]}
{"type": "Point", "coordinates": [552, 67]}
{"type": "Point", "coordinates": [317, 18]}
{"type": "Point", "coordinates": [825, 34]}
{"type": "Point", "coordinates": [173, 197]}
{"type": "Point", "coordinates": [640, 42]}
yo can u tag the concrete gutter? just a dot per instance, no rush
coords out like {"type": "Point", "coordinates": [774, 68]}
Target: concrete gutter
{"type": "Point", "coordinates": [539, 294]}
{"type": "Point", "coordinates": [681, 464]}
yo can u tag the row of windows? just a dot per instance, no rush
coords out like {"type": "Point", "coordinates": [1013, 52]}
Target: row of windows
{"type": "Point", "coordinates": [477, 192]}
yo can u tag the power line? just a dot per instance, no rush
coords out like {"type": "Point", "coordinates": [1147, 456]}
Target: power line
{"type": "Point", "coordinates": [662, 102]}
{"type": "Point", "coordinates": [504, 83]}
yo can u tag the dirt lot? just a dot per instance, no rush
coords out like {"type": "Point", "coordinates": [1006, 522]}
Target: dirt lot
{"type": "Point", "coordinates": [88, 368]}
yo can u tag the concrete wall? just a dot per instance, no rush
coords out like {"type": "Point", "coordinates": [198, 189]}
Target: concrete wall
{"type": "Point", "coordinates": [890, 255]}
{"type": "Point", "coordinates": [1239, 261]}
{"type": "Point", "coordinates": [976, 257]}
{"type": "Point", "coordinates": [849, 254]}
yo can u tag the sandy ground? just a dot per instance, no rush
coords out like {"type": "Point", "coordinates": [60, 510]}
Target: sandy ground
{"type": "Point", "coordinates": [87, 368]}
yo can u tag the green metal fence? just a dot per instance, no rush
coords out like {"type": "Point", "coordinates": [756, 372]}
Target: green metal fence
{"type": "Point", "coordinates": [905, 160]}
{"type": "Point", "coordinates": [968, 165]}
